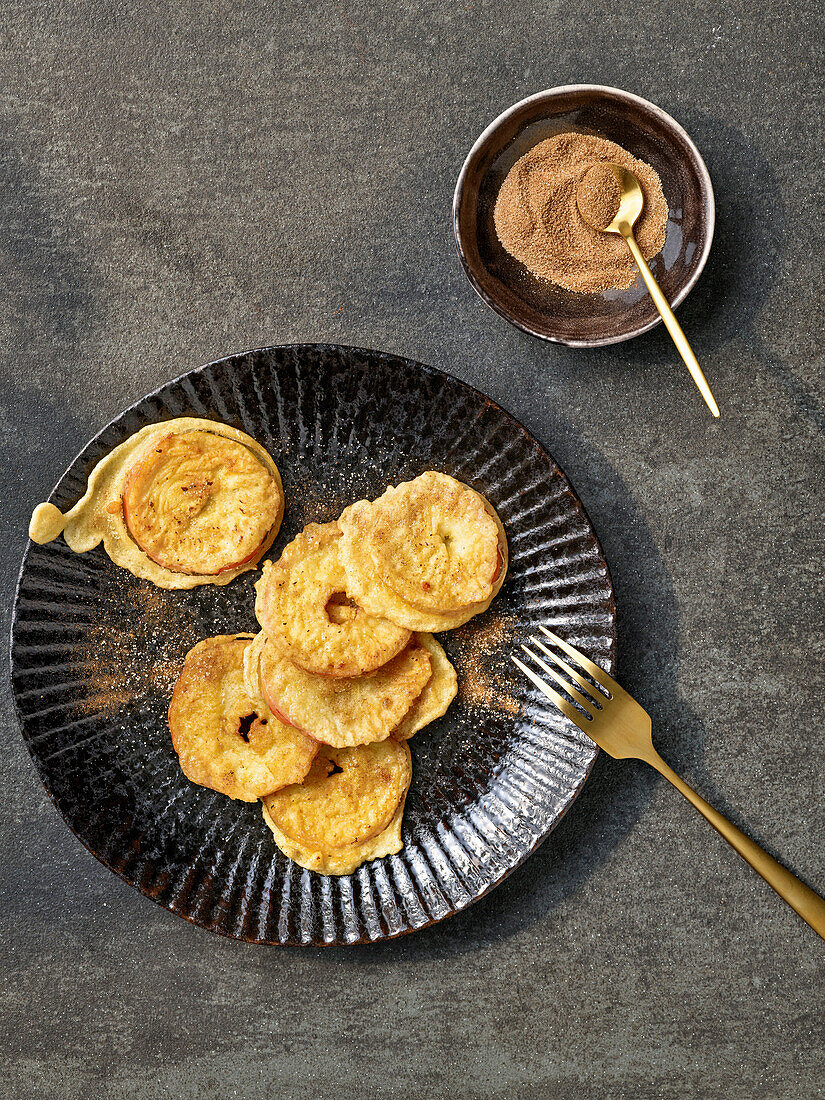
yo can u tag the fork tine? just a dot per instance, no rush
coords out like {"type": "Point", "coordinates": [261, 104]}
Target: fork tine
{"type": "Point", "coordinates": [594, 691]}
{"type": "Point", "coordinates": [598, 674]}
{"type": "Point", "coordinates": [564, 706]}
{"type": "Point", "coordinates": [578, 696]}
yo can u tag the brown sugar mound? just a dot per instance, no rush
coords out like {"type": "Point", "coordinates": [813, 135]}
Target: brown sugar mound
{"type": "Point", "coordinates": [538, 221]}
{"type": "Point", "coordinates": [599, 196]}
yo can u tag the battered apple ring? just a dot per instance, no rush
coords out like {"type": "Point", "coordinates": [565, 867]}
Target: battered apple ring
{"type": "Point", "coordinates": [438, 693]}
{"type": "Point", "coordinates": [197, 502]}
{"type": "Point", "coordinates": [181, 503]}
{"type": "Point", "coordinates": [342, 712]}
{"type": "Point", "coordinates": [295, 597]}
{"type": "Point", "coordinates": [427, 554]}
{"type": "Point", "coordinates": [226, 738]}
{"type": "Point", "coordinates": [347, 810]}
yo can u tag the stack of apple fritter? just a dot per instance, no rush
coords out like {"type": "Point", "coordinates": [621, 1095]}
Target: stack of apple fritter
{"type": "Point", "coordinates": [312, 715]}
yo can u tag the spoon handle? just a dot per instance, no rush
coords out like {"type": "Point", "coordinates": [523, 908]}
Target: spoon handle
{"type": "Point", "coordinates": [672, 325]}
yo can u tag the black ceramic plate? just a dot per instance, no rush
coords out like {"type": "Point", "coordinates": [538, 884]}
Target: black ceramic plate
{"type": "Point", "coordinates": [95, 653]}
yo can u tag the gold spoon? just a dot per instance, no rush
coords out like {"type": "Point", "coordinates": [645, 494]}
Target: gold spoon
{"type": "Point", "coordinates": [630, 207]}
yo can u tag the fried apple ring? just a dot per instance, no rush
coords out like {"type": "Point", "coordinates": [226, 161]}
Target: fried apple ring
{"type": "Point", "coordinates": [226, 738]}
{"type": "Point", "coordinates": [197, 502]}
{"type": "Point", "coordinates": [343, 712]}
{"type": "Point", "coordinates": [347, 810]}
{"type": "Point", "coordinates": [99, 514]}
{"type": "Point", "coordinates": [438, 693]}
{"type": "Point", "coordinates": [427, 554]}
{"type": "Point", "coordinates": [298, 605]}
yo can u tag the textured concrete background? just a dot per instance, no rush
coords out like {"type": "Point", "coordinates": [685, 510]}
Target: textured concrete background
{"type": "Point", "coordinates": [181, 181]}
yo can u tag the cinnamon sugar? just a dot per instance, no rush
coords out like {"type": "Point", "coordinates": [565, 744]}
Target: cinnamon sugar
{"type": "Point", "coordinates": [129, 649]}
{"type": "Point", "coordinates": [480, 656]}
{"type": "Point", "coordinates": [538, 221]}
{"type": "Point", "coordinates": [599, 196]}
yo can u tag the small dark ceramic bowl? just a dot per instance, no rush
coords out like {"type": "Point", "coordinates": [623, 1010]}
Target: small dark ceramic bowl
{"type": "Point", "coordinates": [537, 306]}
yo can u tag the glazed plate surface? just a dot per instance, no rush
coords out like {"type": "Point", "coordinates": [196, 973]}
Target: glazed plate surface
{"type": "Point", "coordinates": [95, 653]}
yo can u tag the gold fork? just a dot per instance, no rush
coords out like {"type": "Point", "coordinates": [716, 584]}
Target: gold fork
{"type": "Point", "coordinates": [616, 722]}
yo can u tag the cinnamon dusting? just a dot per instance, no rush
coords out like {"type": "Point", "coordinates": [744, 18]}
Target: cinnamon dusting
{"type": "Point", "coordinates": [482, 651]}
{"type": "Point", "coordinates": [130, 649]}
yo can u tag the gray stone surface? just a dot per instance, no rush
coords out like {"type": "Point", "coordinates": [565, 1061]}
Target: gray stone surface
{"type": "Point", "coordinates": [180, 181]}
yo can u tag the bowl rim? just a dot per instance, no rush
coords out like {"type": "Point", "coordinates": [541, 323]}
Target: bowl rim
{"type": "Point", "coordinates": [547, 95]}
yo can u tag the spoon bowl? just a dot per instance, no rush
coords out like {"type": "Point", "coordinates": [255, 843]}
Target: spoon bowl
{"type": "Point", "coordinates": [632, 201]}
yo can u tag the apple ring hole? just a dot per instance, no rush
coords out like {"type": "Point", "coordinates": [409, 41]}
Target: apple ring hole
{"type": "Point", "coordinates": [340, 609]}
{"type": "Point", "coordinates": [246, 723]}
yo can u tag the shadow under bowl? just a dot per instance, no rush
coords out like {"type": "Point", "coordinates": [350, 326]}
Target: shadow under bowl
{"type": "Point", "coordinates": [537, 306]}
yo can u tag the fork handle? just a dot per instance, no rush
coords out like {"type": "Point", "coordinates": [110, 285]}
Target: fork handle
{"type": "Point", "coordinates": [810, 906]}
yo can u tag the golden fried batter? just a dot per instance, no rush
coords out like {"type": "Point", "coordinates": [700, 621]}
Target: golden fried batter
{"type": "Point", "coordinates": [437, 695]}
{"type": "Point", "coordinates": [428, 554]}
{"type": "Point", "coordinates": [346, 811]}
{"type": "Point", "coordinates": [339, 711]}
{"type": "Point", "coordinates": [226, 738]}
{"type": "Point", "coordinates": [197, 502]}
{"type": "Point", "coordinates": [99, 515]}
{"type": "Point", "coordinates": [298, 606]}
